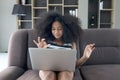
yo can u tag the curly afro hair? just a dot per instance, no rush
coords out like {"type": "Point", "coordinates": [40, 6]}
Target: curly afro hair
{"type": "Point", "coordinates": [71, 26]}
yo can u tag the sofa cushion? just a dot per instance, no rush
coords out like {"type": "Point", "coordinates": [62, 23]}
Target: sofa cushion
{"type": "Point", "coordinates": [101, 72]}
{"type": "Point", "coordinates": [11, 73]}
{"type": "Point", "coordinates": [104, 55]}
{"type": "Point", "coordinates": [107, 46]}
{"type": "Point", "coordinates": [30, 75]}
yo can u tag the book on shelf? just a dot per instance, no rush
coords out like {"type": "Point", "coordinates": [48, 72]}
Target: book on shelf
{"type": "Point", "coordinates": [74, 12]}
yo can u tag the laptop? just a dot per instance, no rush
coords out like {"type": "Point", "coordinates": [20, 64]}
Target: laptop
{"type": "Point", "coordinates": [53, 59]}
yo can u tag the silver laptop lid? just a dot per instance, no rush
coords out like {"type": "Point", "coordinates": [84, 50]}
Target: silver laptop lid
{"type": "Point", "coordinates": [53, 59]}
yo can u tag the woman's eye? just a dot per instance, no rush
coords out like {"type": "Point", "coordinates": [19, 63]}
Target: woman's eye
{"type": "Point", "coordinates": [57, 29]}
{"type": "Point", "coordinates": [53, 29]}
{"type": "Point", "coordinates": [60, 29]}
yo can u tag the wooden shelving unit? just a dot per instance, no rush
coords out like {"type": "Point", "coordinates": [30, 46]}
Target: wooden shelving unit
{"type": "Point", "coordinates": [35, 7]}
{"type": "Point", "coordinates": [103, 12]}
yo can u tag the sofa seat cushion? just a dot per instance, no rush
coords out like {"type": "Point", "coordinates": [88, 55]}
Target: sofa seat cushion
{"type": "Point", "coordinates": [101, 72]}
{"type": "Point", "coordinates": [30, 75]}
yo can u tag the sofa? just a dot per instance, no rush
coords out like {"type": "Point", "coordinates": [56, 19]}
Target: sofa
{"type": "Point", "coordinates": [103, 64]}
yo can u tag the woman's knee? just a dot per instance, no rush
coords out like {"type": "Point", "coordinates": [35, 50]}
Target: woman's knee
{"type": "Point", "coordinates": [47, 75]}
{"type": "Point", "coordinates": [65, 75]}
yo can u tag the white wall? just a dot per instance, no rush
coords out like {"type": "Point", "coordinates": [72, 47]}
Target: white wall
{"type": "Point", "coordinates": [83, 13]}
{"type": "Point", "coordinates": [7, 22]}
{"type": "Point", "coordinates": [117, 14]}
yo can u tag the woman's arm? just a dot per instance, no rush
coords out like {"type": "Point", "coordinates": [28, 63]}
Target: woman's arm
{"type": "Point", "coordinates": [81, 61]}
{"type": "Point", "coordinates": [86, 55]}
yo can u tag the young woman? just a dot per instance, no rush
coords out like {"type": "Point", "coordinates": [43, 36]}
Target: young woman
{"type": "Point", "coordinates": [57, 31]}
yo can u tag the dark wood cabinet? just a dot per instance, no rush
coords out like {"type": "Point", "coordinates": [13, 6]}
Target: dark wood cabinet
{"type": "Point", "coordinates": [102, 10]}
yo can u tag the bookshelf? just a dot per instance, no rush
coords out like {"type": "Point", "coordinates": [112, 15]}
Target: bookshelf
{"type": "Point", "coordinates": [103, 12]}
{"type": "Point", "coordinates": [35, 7]}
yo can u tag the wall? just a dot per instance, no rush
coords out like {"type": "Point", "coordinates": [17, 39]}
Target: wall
{"type": "Point", "coordinates": [83, 13]}
{"type": "Point", "coordinates": [7, 23]}
{"type": "Point", "coordinates": [117, 14]}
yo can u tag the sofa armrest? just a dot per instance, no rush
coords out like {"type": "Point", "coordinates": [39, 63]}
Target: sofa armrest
{"type": "Point", "coordinates": [20, 38]}
{"type": "Point", "coordinates": [11, 73]}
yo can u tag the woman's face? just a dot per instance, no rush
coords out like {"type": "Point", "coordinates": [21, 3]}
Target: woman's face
{"type": "Point", "coordinates": [57, 30]}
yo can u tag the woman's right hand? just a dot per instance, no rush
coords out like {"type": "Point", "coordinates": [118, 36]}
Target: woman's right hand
{"type": "Point", "coordinates": [41, 43]}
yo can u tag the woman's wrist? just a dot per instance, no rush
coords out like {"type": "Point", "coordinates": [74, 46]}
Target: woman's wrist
{"type": "Point", "coordinates": [84, 57]}
{"type": "Point", "coordinates": [81, 61]}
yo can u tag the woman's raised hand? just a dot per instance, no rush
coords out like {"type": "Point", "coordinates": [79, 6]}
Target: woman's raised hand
{"type": "Point", "coordinates": [41, 43]}
{"type": "Point", "coordinates": [88, 50]}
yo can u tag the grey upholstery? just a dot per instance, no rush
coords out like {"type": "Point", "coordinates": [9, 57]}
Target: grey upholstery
{"type": "Point", "coordinates": [104, 63]}
{"type": "Point", "coordinates": [107, 43]}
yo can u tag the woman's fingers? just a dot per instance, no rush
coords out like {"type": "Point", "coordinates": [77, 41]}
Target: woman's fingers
{"type": "Point", "coordinates": [88, 50]}
{"type": "Point", "coordinates": [46, 45]}
{"type": "Point", "coordinates": [35, 42]}
{"type": "Point", "coordinates": [43, 40]}
{"type": "Point", "coordinates": [39, 40]}
{"type": "Point", "coordinates": [91, 47]}
{"type": "Point", "coordinates": [41, 43]}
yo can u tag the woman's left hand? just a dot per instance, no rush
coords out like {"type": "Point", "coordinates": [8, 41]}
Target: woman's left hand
{"type": "Point", "coordinates": [86, 55]}
{"type": "Point", "coordinates": [88, 50]}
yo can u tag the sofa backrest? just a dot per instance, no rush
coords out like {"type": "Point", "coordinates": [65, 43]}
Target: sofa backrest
{"type": "Point", "coordinates": [19, 43]}
{"type": "Point", "coordinates": [32, 35]}
{"type": "Point", "coordinates": [107, 43]}
{"type": "Point", "coordinates": [107, 46]}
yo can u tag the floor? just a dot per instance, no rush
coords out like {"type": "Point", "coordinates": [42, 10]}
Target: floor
{"type": "Point", "coordinates": [3, 61]}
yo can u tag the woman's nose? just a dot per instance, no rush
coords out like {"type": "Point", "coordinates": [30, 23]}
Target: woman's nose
{"type": "Point", "coordinates": [56, 31]}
